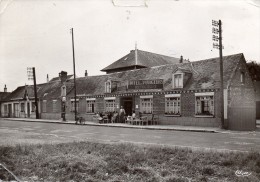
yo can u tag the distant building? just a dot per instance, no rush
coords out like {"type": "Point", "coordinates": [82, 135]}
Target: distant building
{"type": "Point", "coordinates": [180, 93]}
{"type": "Point", "coordinates": [3, 95]}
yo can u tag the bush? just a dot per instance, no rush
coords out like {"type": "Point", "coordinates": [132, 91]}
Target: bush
{"type": "Point", "coordinates": [207, 171]}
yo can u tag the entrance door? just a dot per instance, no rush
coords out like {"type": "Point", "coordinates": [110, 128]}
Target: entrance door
{"type": "Point", "coordinates": [28, 109]}
{"type": "Point", "coordinates": [9, 110]}
{"type": "Point", "coordinates": [128, 105]}
{"type": "Point", "coordinates": [16, 110]}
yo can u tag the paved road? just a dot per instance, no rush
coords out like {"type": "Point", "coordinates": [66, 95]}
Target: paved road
{"type": "Point", "coordinates": [16, 132]}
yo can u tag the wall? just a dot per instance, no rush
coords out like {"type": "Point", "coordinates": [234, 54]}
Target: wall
{"type": "Point", "coordinates": [241, 101]}
{"type": "Point", "coordinates": [187, 117]}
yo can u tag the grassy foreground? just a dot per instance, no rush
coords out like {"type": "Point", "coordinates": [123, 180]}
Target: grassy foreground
{"type": "Point", "coordinates": [88, 161]}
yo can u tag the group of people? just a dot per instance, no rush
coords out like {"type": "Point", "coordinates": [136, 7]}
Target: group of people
{"type": "Point", "coordinates": [114, 117]}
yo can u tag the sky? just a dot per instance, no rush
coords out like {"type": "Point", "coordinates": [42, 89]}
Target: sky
{"type": "Point", "coordinates": [35, 33]}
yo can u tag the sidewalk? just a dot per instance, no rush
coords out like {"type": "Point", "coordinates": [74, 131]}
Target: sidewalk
{"type": "Point", "coordinates": [123, 125]}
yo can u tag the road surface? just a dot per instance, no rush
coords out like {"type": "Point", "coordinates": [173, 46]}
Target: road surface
{"type": "Point", "coordinates": [18, 132]}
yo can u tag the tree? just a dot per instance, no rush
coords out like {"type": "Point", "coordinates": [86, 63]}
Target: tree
{"type": "Point", "coordinates": [254, 70]}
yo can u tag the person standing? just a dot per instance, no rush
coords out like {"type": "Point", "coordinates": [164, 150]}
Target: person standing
{"type": "Point", "coordinates": [122, 115]}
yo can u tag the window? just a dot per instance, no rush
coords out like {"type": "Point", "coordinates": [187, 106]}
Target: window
{"type": "Point", "coordinates": [146, 105]}
{"type": "Point", "coordinates": [72, 108]}
{"type": "Point", "coordinates": [205, 104]}
{"type": "Point", "coordinates": [177, 81]}
{"type": "Point", "coordinates": [242, 77]}
{"type": "Point", "coordinates": [54, 106]}
{"type": "Point", "coordinates": [110, 105]}
{"type": "Point", "coordinates": [22, 107]}
{"type": "Point", "coordinates": [33, 106]}
{"type": "Point", "coordinates": [90, 106]}
{"type": "Point", "coordinates": [44, 106]}
{"type": "Point", "coordinates": [172, 104]}
{"type": "Point", "coordinates": [108, 87]}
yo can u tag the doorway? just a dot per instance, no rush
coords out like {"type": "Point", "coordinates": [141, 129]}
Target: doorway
{"type": "Point", "coordinates": [127, 103]}
{"type": "Point", "coordinates": [10, 110]}
{"type": "Point", "coordinates": [16, 110]}
{"type": "Point", "coordinates": [28, 109]}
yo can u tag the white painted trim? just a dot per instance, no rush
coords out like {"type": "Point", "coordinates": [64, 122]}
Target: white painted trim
{"type": "Point", "coordinates": [173, 79]}
{"type": "Point", "coordinates": [205, 94]}
{"type": "Point", "coordinates": [172, 95]}
{"type": "Point", "coordinates": [146, 96]}
{"type": "Point", "coordinates": [110, 98]}
{"type": "Point", "coordinates": [74, 99]}
{"type": "Point", "coordinates": [89, 99]}
{"type": "Point", "coordinates": [54, 100]}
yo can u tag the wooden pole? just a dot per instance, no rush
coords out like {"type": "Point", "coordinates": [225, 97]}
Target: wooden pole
{"type": "Point", "coordinates": [35, 94]}
{"type": "Point", "coordinates": [75, 91]}
{"type": "Point", "coordinates": [221, 75]}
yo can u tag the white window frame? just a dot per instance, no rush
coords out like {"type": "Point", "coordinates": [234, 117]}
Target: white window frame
{"type": "Point", "coordinates": [207, 97]}
{"type": "Point", "coordinates": [180, 80]}
{"type": "Point", "coordinates": [91, 102]}
{"type": "Point", "coordinates": [173, 104]}
{"type": "Point", "coordinates": [110, 105]}
{"type": "Point", "coordinates": [108, 86]}
{"type": "Point", "coordinates": [146, 104]}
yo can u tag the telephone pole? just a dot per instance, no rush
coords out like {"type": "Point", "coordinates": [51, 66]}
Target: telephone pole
{"type": "Point", "coordinates": [219, 46]}
{"type": "Point", "coordinates": [75, 91]}
{"type": "Point", "coordinates": [35, 94]}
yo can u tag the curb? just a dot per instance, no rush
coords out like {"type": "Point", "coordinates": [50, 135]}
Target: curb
{"type": "Point", "coordinates": [117, 126]}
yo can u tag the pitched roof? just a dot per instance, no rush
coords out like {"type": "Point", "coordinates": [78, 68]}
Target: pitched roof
{"type": "Point", "coordinates": [205, 75]}
{"type": "Point", "coordinates": [3, 95]}
{"type": "Point", "coordinates": [144, 59]}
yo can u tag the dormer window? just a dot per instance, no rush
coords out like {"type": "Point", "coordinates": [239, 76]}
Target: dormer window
{"type": "Point", "coordinates": [108, 86]}
{"type": "Point", "coordinates": [178, 80]}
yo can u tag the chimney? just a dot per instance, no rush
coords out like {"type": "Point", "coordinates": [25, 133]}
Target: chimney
{"type": "Point", "coordinates": [86, 72]}
{"type": "Point", "coordinates": [47, 78]}
{"type": "Point", "coordinates": [63, 76]}
{"type": "Point", "coordinates": [5, 89]}
{"type": "Point", "coordinates": [181, 59]}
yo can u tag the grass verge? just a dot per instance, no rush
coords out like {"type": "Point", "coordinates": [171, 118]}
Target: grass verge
{"type": "Point", "coordinates": [89, 161]}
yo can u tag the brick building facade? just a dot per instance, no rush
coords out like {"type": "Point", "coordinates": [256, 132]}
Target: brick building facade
{"type": "Point", "coordinates": [180, 93]}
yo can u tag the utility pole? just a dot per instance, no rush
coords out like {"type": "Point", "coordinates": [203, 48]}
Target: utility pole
{"type": "Point", "coordinates": [35, 94]}
{"type": "Point", "coordinates": [32, 76]}
{"type": "Point", "coordinates": [219, 46]}
{"type": "Point", "coordinates": [75, 91]}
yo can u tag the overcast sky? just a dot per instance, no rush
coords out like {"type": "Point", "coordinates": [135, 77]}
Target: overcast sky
{"type": "Point", "coordinates": [37, 33]}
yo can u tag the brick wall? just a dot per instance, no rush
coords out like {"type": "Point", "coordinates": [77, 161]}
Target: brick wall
{"type": "Point", "coordinates": [187, 117]}
{"type": "Point", "coordinates": [187, 110]}
{"type": "Point", "coordinates": [241, 100]}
